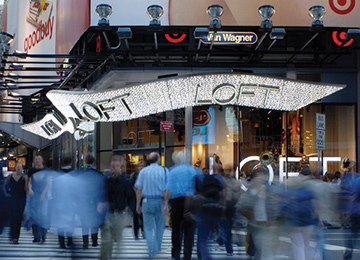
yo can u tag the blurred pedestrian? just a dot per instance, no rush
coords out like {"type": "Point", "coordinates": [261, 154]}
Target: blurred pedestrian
{"type": "Point", "coordinates": [14, 188]}
{"type": "Point", "coordinates": [302, 213]}
{"type": "Point", "coordinates": [180, 191]}
{"type": "Point", "coordinates": [137, 218]}
{"type": "Point", "coordinates": [92, 189]}
{"type": "Point", "coordinates": [64, 203]}
{"type": "Point", "coordinates": [37, 184]}
{"type": "Point", "coordinates": [354, 215]}
{"type": "Point", "coordinates": [346, 187]}
{"type": "Point", "coordinates": [151, 186]}
{"type": "Point", "coordinates": [229, 196]}
{"type": "Point", "coordinates": [120, 194]}
{"type": "Point", "coordinates": [261, 204]}
{"type": "Point", "coordinates": [337, 179]}
{"type": "Point", "coordinates": [211, 209]}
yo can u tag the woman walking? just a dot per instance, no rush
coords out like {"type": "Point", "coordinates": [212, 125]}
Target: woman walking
{"type": "Point", "coordinates": [14, 188]}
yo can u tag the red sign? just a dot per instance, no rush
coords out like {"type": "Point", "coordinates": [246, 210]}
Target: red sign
{"type": "Point", "coordinates": [201, 117]}
{"type": "Point", "coordinates": [11, 165]}
{"type": "Point", "coordinates": [175, 38]}
{"type": "Point", "coordinates": [167, 126]}
{"type": "Point", "coordinates": [340, 39]}
{"type": "Point", "coordinates": [342, 7]}
{"type": "Point", "coordinates": [22, 160]}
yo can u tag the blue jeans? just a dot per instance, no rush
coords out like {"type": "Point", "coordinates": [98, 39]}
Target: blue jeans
{"type": "Point", "coordinates": [351, 240]}
{"type": "Point", "coordinates": [205, 225]}
{"type": "Point", "coordinates": [154, 224]}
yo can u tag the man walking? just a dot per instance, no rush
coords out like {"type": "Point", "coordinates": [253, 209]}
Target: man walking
{"type": "Point", "coordinates": [120, 194]}
{"type": "Point", "coordinates": [151, 186]}
{"type": "Point", "coordinates": [37, 183]}
{"type": "Point", "coordinates": [92, 184]}
{"type": "Point", "coordinates": [180, 190]}
{"type": "Point", "coordinates": [64, 203]}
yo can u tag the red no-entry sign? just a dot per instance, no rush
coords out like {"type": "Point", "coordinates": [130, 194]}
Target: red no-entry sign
{"type": "Point", "coordinates": [167, 126]}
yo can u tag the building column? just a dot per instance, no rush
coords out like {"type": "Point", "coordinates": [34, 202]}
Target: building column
{"type": "Point", "coordinates": [188, 134]}
{"type": "Point", "coordinates": [169, 140]}
{"type": "Point", "coordinates": [357, 165]}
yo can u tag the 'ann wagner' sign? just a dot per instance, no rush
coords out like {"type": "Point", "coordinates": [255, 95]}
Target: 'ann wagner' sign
{"type": "Point", "coordinates": [230, 38]}
{"type": "Point", "coordinates": [79, 110]}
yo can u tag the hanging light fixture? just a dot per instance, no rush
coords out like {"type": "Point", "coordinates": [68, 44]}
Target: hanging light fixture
{"type": "Point", "coordinates": [103, 11]}
{"type": "Point", "coordinates": [215, 12]}
{"type": "Point", "coordinates": [266, 12]}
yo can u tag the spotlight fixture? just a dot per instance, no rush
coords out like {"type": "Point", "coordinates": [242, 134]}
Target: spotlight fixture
{"type": "Point", "coordinates": [201, 32]}
{"type": "Point", "coordinates": [277, 34]}
{"type": "Point", "coordinates": [19, 54]}
{"type": "Point", "coordinates": [16, 66]}
{"type": "Point", "coordinates": [124, 33]}
{"type": "Point", "coordinates": [103, 11]}
{"type": "Point", "coordinates": [215, 12]}
{"type": "Point", "coordinates": [10, 81]}
{"type": "Point", "coordinates": [266, 12]}
{"type": "Point", "coordinates": [6, 38]}
{"type": "Point", "coordinates": [12, 76]}
{"type": "Point", "coordinates": [353, 34]}
{"type": "Point", "coordinates": [155, 12]}
{"type": "Point", "coordinates": [13, 94]}
{"type": "Point", "coordinates": [317, 12]}
{"type": "Point", "coordinates": [10, 85]}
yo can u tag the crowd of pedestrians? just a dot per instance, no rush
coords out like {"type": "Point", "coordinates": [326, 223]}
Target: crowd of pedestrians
{"type": "Point", "coordinates": [200, 205]}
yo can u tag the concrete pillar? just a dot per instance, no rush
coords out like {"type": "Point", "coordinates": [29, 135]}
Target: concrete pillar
{"type": "Point", "coordinates": [188, 134]}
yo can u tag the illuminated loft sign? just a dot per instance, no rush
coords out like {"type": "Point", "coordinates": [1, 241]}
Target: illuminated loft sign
{"type": "Point", "coordinates": [230, 38]}
{"type": "Point", "coordinates": [78, 110]}
{"type": "Point", "coordinates": [282, 162]}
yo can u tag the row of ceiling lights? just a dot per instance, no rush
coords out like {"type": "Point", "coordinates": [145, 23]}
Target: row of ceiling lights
{"type": "Point", "coordinates": [215, 12]}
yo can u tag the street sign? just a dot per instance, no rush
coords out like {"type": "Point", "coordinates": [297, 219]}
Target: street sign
{"type": "Point", "coordinates": [167, 126]}
{"type": "Point", "coordinates": [320, 139]}
{"type": "Point", "coordinates": [320, 121]}
{"type": "Point", "coordinates": [320, 132]}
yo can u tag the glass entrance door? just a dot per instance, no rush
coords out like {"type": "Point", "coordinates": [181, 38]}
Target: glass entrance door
{"type": "Point", "coordinates": [133, 157]}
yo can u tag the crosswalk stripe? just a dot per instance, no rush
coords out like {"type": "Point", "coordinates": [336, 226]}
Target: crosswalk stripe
{"type": "Point", "coordinates": [129, 248]}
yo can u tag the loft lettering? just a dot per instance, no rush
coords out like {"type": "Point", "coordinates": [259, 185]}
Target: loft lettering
{"type": "Point", "coordinates": [50, 127]}
{"type": "Point", "coordinates": [237, 94]}
{"type": "Point", "coordinates": [95, 112]}
{"type": "Point", "coordinates": [88, 112]}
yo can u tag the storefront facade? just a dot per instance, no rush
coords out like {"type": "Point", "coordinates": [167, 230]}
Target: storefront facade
{"type": "Point", "coordinates": [223, 127]}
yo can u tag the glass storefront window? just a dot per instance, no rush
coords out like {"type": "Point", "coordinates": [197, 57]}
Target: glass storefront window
{"type": "Point", "coordinates": [136, 139]}
{"type": "Point", "coordinates": [340, 134]}
{"type": "Point", "coordinates": [234, 135]}
{"type": "Point", "coordinates": [138, 133]}
{"type": "Point", "coordinates": [229, 135]}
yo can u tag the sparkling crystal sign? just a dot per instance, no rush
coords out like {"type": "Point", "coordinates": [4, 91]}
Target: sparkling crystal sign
{"type": "Point", "coordinates": [80, 109]}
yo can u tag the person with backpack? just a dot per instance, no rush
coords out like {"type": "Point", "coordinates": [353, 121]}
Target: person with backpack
{"type": "Point", "coordinates": [211, 209]}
